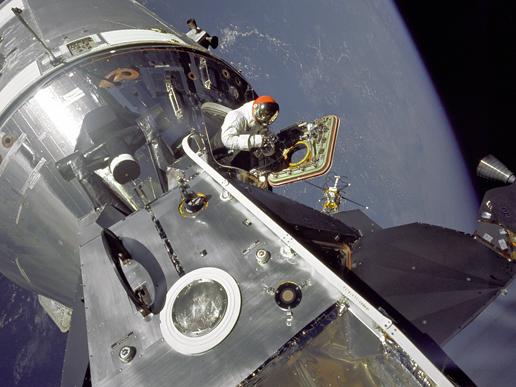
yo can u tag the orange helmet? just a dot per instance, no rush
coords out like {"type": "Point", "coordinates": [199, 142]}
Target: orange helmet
{"type": "Point", "coordinates": [265, 110]}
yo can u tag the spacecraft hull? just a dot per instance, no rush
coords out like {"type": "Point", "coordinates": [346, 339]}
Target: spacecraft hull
{"type": "Point", "coordinates": [114, 203]}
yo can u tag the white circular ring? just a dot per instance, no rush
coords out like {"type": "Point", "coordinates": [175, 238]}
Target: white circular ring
{"type": "Point", "coordinates": [120, 158]}
{"type": "Point", "coordinates": [194, 345]}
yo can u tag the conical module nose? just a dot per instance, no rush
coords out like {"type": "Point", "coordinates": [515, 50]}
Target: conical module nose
{"type": "Point", "coordinates": [493, 169]}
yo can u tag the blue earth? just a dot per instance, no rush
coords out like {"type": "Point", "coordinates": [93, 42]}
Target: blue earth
{"type": "Point", "coordinates": [355, 60]}
{"type": "Point", "coordinates": [32, 345]}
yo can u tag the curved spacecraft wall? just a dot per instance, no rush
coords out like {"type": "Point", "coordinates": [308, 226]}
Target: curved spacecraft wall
{"type": "Point", "coordinates": [90, 97]}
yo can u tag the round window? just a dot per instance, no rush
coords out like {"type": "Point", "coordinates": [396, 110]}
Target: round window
{"type": "Point", "coordinates": [199, 307]}
{"type": "Point", "coordinates": [202, 308]}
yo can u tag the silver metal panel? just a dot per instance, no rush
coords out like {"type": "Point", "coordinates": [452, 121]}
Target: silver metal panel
{"type": "Point", "coordinates": [30, 201]}
{"type": "Point", "coordinates": [262, 327]}
{"type": "Point", "coordinates": [110, 316]}
{"type": "Point", "coordinates": [361, 308]}
{"type": "Point", "coordinates": [139, 227]}
{"type": "Point", "coordinates": [20, 82]}
{"type": "Point", "coordinates": [5, 12]}
{"type": "Point", "coordinates": [35, 249]}
{"type": "Point", "coordinates": [76, 20]}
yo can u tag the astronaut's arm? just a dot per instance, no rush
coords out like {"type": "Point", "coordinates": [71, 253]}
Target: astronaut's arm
{"type": "Point", "coordinates": [232, 137]}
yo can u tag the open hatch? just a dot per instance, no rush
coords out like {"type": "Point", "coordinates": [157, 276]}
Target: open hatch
{"type": "Point", "coordinates": [300, 151]}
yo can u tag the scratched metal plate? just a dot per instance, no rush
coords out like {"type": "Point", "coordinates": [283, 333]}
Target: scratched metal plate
{"type": "Point", "coordinates": [221, 237]}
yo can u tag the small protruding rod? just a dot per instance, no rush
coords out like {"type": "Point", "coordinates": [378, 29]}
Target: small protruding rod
{"type": "Point", "coordinates": [17, 12]}
{"type": "Point", "coordinates": [358, 204]}
{"type": "Point", "coordinates": [191, 22]}
{"type": "Point", "coordinates": [337, 178]}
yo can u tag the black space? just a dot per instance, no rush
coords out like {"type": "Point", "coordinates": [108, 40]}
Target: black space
{"type": "Point", "coordinates": [468, 48]}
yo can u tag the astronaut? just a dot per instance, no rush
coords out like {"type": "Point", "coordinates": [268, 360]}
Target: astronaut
{"type": "Point", "coordinates": [245, 128]}
{"type": "Point", "coordinates": [245, 131]}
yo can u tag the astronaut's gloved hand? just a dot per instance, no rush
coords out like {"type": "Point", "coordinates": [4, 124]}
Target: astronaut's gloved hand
{"type": "Point", "coordinates": [256, 141]}
{"type": "Point", "coordinates": [268, 135]}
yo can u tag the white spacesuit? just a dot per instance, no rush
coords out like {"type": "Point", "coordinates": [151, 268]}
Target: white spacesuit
{"type": "Point", "coordinates": [242, 127]}
{"type": "Point", "coordinates": [240, 130]}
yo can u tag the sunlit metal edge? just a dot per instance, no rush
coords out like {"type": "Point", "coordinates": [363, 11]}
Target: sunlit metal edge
{"type": "Point", "coordinates": [31, 75]}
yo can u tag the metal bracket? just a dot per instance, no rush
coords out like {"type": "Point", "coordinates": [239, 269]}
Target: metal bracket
{"type": "Point", "coordinates": [343, 305]}
{"type": "Point", "coordinates": [173, 99]}
{"type": "Point", "coordinates": [205, 74]}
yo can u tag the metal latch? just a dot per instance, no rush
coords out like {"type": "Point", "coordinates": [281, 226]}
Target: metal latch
{"type": "Point", "coordinates": [205, 74]}
{"type": "Point", "coordinates": [173, 99]}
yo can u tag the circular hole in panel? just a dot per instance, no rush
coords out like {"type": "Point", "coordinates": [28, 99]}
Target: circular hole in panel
{"type": "Point", "coordinates": [7, 140]}
{"type": "Point", "coordinates": [288, 295]}
{"type": "Point", "coordinates": [193, 207]}
{"type": "Point", "coordinates": [298, 154]}
{"type": "Point", "coordinates": [199, 308]}
{"type": "Point", "coordinates": [202, 308]}
{"type": "Point", "coordinates": [192, 76]}
{"type": "Point", "coordinates": [226, 73]}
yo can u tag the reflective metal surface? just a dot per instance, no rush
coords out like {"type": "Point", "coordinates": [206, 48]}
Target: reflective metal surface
{"type": "Point", "coordinates": [261, 327]}
{"type": "Point", "coordinates": [345, 354]}
{"type": "Point", "coordinates": [493, 169]}
{"type": "Point", "coordinates": [82, 28]}
{"type": "Point", "coordinates": [199, 308]}
{"type": "Point", "coordinates": [57, 125]}
{"type": "Point", "coordinates": [108, 98]}
{"type": "Point", "coordinates": [362, 345]}
{"type": "Point", "coordinates": [260, 202]}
